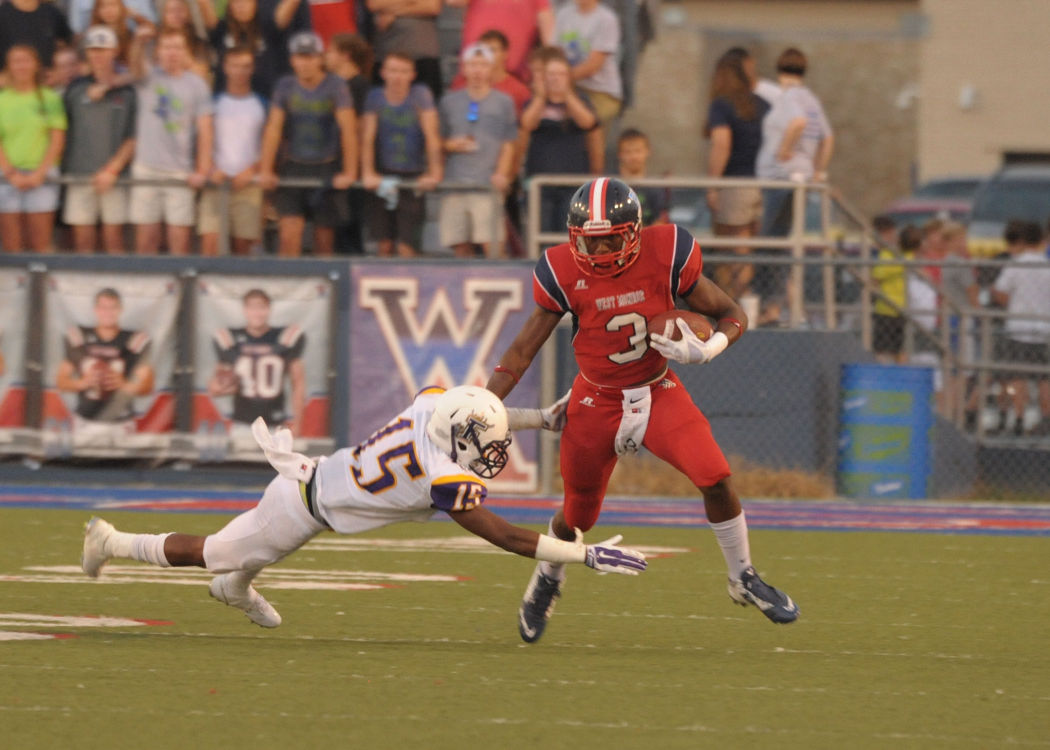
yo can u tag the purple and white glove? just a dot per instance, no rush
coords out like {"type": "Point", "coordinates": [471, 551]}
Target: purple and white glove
{"type": "Point", "coordinates": [606, 557]}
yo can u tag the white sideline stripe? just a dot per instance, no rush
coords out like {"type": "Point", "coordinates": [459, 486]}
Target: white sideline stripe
{"type": "Point", "coordinates": [6, 635]}
{"type": "Point", "coordinates": [28, 620]}
{"type": "Point", "coordinates": [302, 585]}
{"type": "Point", "coordinates": [266, 578]}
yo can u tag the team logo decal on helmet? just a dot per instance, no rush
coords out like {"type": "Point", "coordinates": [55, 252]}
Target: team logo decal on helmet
{"type": "Point", "coordinates": [470, 424]}
{"type": "Point", "coordinates": [605, 222]}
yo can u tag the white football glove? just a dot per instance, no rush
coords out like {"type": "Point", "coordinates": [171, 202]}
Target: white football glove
{"type": "Point", "coordinates": [607, 557]}
{"type": "Point", "coordinates": [690, 349]}
{"type": "Point", "coordinates": [554, 416]}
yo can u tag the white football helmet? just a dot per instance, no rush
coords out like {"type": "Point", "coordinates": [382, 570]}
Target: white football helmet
{"type": "Point", "coordinates": [470, 424]}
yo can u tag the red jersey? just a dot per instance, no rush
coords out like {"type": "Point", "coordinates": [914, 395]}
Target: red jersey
{"type": "Point", "coordinates": [610, 314]}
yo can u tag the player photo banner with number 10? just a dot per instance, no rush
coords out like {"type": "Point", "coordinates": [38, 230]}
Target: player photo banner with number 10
{"type": "Point", "coordinates": [109, 354]}
{"type": "Point", "coordinates": [262, 350]}
{"type": "Point", "coordinates": [14, 294]}
{"type": "Point", "coordinates": [437, 324]}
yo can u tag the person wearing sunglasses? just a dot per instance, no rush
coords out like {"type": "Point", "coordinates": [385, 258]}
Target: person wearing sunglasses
{"type": "Point", "coordinates": [478, 131]}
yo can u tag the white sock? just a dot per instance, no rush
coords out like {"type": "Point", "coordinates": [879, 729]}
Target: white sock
{"type": "Point", "coordinates": [143, 547]}
{"type": "Point", "coordinates": [732, 538]}
{"type": "Point", "coordinates": [549, 569]}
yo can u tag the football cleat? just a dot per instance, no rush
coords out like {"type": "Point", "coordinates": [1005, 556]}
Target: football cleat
{"type": "Point", "coordinates": [248, 600]}
{"type": "Point", "coordinates": [537, 605]}
{"type": "Point", "coordinates": [93, 557]}
{"type": "Point", "coordinates": [774, 604]}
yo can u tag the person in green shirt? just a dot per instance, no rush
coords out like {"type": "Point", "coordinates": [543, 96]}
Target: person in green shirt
{"type": "Point", "coordinates": [888, 328]}
{"type": "Point", "coordinates": [32, 136]}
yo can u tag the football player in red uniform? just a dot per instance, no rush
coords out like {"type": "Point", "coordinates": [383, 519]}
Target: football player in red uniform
{"type": "Point", "coordinates": [612, 277]}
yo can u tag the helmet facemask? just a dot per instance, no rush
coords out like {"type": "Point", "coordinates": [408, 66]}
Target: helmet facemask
{"type": "Point", "coordinates": [486, 461]}
{"type": "Point", "coordinates": [584, 240]}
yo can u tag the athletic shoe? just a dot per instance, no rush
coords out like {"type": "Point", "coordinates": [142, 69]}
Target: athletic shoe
{"type": "Point", "coordinates": [775, 604]}
{"type": "Point", "coordinates": [248, 600]}
{"type": "Point", "coordinates": [537, 605]}
{"type": "Point", "coordinates": [96, 532]}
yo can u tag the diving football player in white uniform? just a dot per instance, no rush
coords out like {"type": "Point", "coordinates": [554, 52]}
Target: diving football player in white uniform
{"type": "Point", "coordinates": [434, 455]}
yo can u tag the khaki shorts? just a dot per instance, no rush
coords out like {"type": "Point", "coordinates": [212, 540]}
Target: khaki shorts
{"type": "Point", "coordinates": [84, 206]}
{"type": "Point", "coordinates": [606, 106]}
{"type": "Point", "coordinates": [155, 204]}
{"type": "Point", "coordinates": [468, 217]}
{"type": "Point", "coordinates": [738, 206]}
{"type": "Point", "coordinates": [245, 212]}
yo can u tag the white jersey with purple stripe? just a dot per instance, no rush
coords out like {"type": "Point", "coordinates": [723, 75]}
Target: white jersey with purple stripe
{"type": "Point", "coordinates": [397, 474]}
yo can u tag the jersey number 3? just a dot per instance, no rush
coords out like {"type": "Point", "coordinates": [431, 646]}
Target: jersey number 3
{"type": "Point", "coordinates": [637, 343]}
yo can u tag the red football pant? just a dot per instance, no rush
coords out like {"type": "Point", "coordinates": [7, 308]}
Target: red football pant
{"type": "Point", "coordinates": [678, 432]}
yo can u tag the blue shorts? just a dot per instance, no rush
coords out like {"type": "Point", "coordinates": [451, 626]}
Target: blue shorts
{"type": "Point", "coordinates": [39, 200]}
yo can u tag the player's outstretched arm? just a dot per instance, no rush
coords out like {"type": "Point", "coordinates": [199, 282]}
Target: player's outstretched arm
{"type": "Point", "coordinates": [605, 557]}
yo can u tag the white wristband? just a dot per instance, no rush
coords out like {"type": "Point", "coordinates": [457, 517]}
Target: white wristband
{"type": "Point", "coordinates": [524, 419]}
{"type": "Point", "coordinates": [558, 551]}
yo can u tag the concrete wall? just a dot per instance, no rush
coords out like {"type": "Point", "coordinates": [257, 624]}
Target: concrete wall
{"type": "Point", "coordinates": [863, 61]}
{"type": "Point", "coordinates": [984, 83]}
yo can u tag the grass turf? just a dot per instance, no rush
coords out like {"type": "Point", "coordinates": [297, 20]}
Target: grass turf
{"type": "Point", "coordinates": [906, 640]}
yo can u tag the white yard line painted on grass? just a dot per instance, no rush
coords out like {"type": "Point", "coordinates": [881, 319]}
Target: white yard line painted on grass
{"type": "Point", "coordinates": [445, 544]}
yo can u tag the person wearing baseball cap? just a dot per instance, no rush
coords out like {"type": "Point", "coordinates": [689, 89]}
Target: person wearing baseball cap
{"type": "Point", "coordinates": [99, 144]}
{"type": "Point", "coordinates": [313, 126]}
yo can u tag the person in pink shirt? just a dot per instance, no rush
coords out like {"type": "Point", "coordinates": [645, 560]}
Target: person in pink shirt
{"type": "Point", "coordinates": [525, 23]}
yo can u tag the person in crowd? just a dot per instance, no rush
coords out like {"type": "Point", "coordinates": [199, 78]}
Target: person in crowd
{"type": "Point", "coordinates": [34, 23]}
{"type": "Point", "coordinates": [119, 17]}
{"type": "Point", "coordinates": [313, 129]}
{"type": "Point", "coordinates": [239, 117]}
{"type": "Point", "coordinates": [65, 66]}
{"type": "Point", "coordinates": [589, 34]}
{"type": "Point", "coordinates": [993, 345]}
{"type": "Point", "coordinates": [178, 14]}
{"type": "Point", "coordinates": [478, 129]}
{"type": "Point", "coordinates": [453, 441]}
{"type": "Point", "coordinates": [410, 27]}
{"type": "Point", "coordinates": [888, 313]}
{"type": "Point", "coordinates": [107, 366]}
{"type": "Point", "coordinates": [797, 143]}
{"type": "Point", "coordinates": [564, 136]}
{"type": "Point", "coordinates": [32, 136]}
{"type": "Point", "coordinates": [123, 17]}
{"type": "Point", "coordinates": [1022, 289]}
{"type": "Point", "coordinates": [401, 140]}
{"type": "Point", "coordinates": [173, 142]}
{"type": "Point", "coordinates": [331, 17]}
{"type": "Point", "coordinates": [350, 57]}
{"type": "Point", "coordinates": [632, 155]}
{"type": "Point", "coordinates": [500, 79]}
{"type": "Point", "coordinates": [523, 24]}
{"type": "Point", "coordinates": [924, 306]}
{"type": "Point", "coordinates": [263, 26]}
{"type": "Point", "coordinates": [100, 145]}
{"type": "Point", "coordinates": [734, 128]}
{"type": "Point", "coordinates": [957, 280]}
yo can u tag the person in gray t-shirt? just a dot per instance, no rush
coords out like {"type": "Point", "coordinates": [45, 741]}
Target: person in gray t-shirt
{"type": "Point", "coordinates": [478, 131]}
{"type": "Point", "coordinates": [100, 143]}
{"type": "Point", "coordinates": [173, 133]}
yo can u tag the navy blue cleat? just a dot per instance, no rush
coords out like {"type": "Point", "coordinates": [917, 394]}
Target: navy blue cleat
{"type": "Point", "coordinates": [537, 605]}
{"type": "Point", "coordinates": [774, 604]}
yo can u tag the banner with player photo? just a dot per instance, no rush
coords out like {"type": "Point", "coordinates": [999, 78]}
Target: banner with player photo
{"type": "Point", "coordinates": [437, 324]}
{"type": "Point", "coordinates": [109, 354]}
{"type": "Point", "coordinates": [263, 349]}
{"type": "Point", "coordinates": [14, 297]}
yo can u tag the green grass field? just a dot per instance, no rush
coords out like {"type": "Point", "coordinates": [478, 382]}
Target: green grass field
{"type": "Point", "coordinates": [905, 641]}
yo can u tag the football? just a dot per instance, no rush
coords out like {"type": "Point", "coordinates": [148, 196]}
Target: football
{"type": "Point", "coordinates": [699, 323]}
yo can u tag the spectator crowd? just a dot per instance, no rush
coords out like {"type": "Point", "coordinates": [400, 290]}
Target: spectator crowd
{"type": "Point", "coordinates": [160, 124]}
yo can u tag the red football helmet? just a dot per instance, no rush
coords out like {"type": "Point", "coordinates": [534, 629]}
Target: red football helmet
{"type": "Point", "coordinates": [605, 224]}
